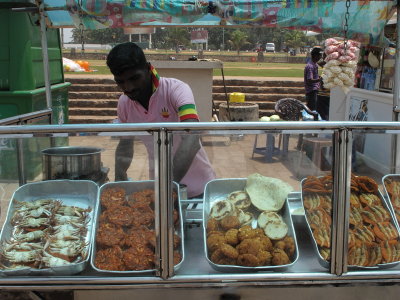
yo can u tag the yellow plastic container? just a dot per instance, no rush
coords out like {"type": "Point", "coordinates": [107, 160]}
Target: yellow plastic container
{"type": "Point", "coordinates": [236, 97]}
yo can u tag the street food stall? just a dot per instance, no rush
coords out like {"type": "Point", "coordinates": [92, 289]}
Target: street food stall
{"type": "Point", "coordinates": [259, 227]}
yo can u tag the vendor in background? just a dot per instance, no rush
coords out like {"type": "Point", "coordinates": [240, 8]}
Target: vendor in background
{"type": "Point", "coordinates": [312, 80]}
{"type": "Point", "coordinates": [149, 98]}
{"type": "Point", "coordinates": [323, 100]}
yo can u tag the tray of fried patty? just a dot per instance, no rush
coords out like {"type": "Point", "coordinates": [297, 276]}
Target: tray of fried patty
{"type": "Point", "coordinates": [233, 246]}
{"type": "Point", "coordinates": [373, 240]}
{"type": "Point", "coordinates": [125, 240]}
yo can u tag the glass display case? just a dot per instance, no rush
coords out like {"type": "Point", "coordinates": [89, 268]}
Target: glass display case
{"type": "Point", "coordinates": [322, 208]}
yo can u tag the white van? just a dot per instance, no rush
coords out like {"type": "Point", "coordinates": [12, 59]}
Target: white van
{"type": "Point", "coordinates": [270, 47]}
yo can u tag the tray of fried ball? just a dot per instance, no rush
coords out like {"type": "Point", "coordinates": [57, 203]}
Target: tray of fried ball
{"type": "Point", "coordinates": [373, 241]}
{"type": "Point", "coordinates": [125, 239]}
{"type": "Point", "coordinates": [240, 237]}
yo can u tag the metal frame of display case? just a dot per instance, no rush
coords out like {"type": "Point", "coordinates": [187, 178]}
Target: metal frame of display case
{"type": "Point", "coordinates": [163, 132]}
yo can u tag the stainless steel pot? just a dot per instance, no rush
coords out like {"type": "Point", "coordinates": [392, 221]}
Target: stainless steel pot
{"type": "Point", "coordinates": [70, 162]}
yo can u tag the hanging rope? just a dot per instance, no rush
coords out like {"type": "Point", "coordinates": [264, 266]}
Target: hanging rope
{"type": "Point", "coordinates": [346, 25]}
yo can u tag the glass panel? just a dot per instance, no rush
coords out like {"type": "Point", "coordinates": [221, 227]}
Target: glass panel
{"type": "Point", "coordinates": [253, 172]}
{"type": "Point", "coordinates": [124, 239]}
{"type": "Point", "coordinates": [374, 241]}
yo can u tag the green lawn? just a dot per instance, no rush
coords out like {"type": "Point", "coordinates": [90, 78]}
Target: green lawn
{"type": "Point", "coordinates": [230, 69]}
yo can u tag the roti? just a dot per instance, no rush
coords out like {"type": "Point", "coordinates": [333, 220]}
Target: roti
{"type": "Point", "coordinates": [267, 193]}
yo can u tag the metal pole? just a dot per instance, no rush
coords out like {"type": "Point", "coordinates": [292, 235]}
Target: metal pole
{"type": "Point", "coordinates": [341, 202]}
{"type": "Point", "coordinates": [396, 94]}
{"type": "Point", "coordinates": [21, 160]}
{"type": "Point", "coordinates": [45, 55]}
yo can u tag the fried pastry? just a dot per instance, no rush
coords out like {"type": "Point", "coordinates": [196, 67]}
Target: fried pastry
{"type": "Point", "coordinates": [212, 225]}
{"type": "Point", "coordinates": [322, 236]}
{"type": "Point", "coordinates": [279, 257]}
{"type": "Point", "coordinates": [358, 255]}
{"type": "Point", "coordinates": [385, 231]}
{"type": "Point", "coordinates": [264, 258]}
{"type": "Point", "coordinates": [231, 237]}
{"type": "Point", "coordinates": [364, 234]}
{"type": "Point", "coordinates": [250, 246]}
{"type": "Point", "coordinates": [229, 222]}
{"type": "Point", "coordinates": [370, 200]}
{"type": "Point", "coordinates": [248, 260]}
{"type": "Point", "coordinates": [229, 251]}
{"type": "Point", "coordinates": [215, 241]}
{"type": "Point", "coordinates": [390, 251]}
{"type": "Point", "coordinates": [375, 214]}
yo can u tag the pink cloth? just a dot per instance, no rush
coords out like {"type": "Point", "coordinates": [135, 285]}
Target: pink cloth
{"type": "Point", "coordinates": [163, 107]}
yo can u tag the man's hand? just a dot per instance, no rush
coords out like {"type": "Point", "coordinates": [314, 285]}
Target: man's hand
{"type": "Point", "coordinates": [123, 159]}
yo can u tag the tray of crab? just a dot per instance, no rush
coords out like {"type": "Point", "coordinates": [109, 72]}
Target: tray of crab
{"type": "Point", "coordinates": [237, 240]}
{"type": "Point", "coordinates": [373, 235]}
{"type": "Point", "coordinates": [48, 228]}
{"type": "Point", "coordinates": [391, 185]}
{"type": "Point", "coordinates": [124, 241]}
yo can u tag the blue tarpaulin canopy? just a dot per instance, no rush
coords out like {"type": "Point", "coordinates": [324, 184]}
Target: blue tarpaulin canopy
{"type": "Point", "coordinates": [366, 22]}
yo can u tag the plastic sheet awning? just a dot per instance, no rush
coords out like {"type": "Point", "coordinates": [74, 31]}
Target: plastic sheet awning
{"type": "Point", "coordinates": [366, 22]}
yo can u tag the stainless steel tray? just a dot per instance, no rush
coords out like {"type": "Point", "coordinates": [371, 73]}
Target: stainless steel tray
{"type": "Point", "coordinates": [389, 202]}
{"type": "Point", "coordinates": [80, 193]}
{"type": "Point", "coordinates": [132, 187]}
{"type": "Point", "coordinates": [219, 189]}
{"type": "Point", "coordinates": [323, 262]}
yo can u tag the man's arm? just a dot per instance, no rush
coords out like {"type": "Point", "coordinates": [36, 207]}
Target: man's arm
{"type": "Point", "coordinates": [185, 154]}
{"type": "Point", "coordinates": [123, 158]}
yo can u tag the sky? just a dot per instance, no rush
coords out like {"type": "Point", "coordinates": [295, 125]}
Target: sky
{"type": "Point", "coordinates": [67, 35]}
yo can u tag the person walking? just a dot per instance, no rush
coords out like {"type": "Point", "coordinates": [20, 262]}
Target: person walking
{"type": "Point", "coordinates": [312, 81]}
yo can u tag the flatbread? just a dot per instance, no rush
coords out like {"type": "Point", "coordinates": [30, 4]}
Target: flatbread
{"type": "Point", "coordinates": [267, 193]}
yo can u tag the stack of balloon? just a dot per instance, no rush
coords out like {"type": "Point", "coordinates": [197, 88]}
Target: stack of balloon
{"type": "Point", "coordinates": [341, 63]}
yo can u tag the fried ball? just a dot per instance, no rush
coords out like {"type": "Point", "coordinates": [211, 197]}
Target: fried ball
{"type": "Point", "coordinates": [248, 260]}
{"type": "Point", "coordinates": [246, 232]}
{"type": "Point", "coordinates": [216, 256]}
{"type": "Point", "coordinates": [266, 242]}
{"type": "Point", "coordinates": [280, 244]}
{"type": "Point", "coordinates": [212, 225]}
{"type": "Point", "coordinates": [279, 257]}
{"type": "Point", "coordinates": [229, 251]}
{"type": "Point", "coordinates": [250, 246]}
{"type": "Point", "coordinates": [226, 261]}
{"type": "Point", "coordinates": [290, 246]}
{"type": "Point", "coordinates": [231, 237]}
{"type": "Point", "coordinates": [215, 232]}
{"type": "Point", "coordinates": [215, 241]}
{"type": "Point", "coordinates": [259, 232]}
{"type": "Point", "coordinates": [177, 257]}
{"type": "Point", "coordinates": [230, 222]}
{"type": "Point", "coordinates": [265, 258]}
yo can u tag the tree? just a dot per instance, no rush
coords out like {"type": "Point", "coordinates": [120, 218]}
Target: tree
{"type": "Point", "coordinates": [237, 40]}
{"type": "Point", "coordinates": [100, 36]}
{"type": "Point", "coordinates": [177, 36]}
{"type": "Point", "coordinates": [295, 39]}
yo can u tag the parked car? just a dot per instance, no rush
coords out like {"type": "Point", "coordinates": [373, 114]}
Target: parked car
{"type": "Point", "coordinates": [270, 47]}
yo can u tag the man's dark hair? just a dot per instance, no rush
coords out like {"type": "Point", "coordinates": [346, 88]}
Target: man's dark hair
{"type": "Point", "coordinates": [126, 56]}
{"type": "Point", "coordinates": [316, 51]}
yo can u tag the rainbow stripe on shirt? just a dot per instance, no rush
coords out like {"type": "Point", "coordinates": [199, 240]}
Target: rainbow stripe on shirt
{"type": "Point", "coordinates": [187, 111]}
{"type": "Point", "coordinates": [155, 78]}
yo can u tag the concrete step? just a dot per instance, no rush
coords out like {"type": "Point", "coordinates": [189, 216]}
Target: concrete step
{"type": "Point", "coordinates": [83, 119]}
{"type": "Point", "coordinates": [241, 82]}
{"type": "Point", "coordinates": [259, 89]}
{"type": "Point", "coordinates": [93, 111]}
{"type": "Point", "coordinates": [94, 87]}
{"type": "Point", "coordinates": [94, 95]}
{"type": "Point", "coordinates": [261, 97]}
{"type": "Point", "coordinates": [89, 103]}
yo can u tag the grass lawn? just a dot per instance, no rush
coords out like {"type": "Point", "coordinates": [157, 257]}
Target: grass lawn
{"type": "Point", "coordinates": [230, 69]}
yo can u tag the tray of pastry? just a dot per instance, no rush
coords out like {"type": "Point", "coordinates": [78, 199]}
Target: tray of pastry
{"type": "Point", "coordinates": [373, 242]}
{"type": "Point", "coordinates": [391, 185]}
{"type": "Point", "coordinates": [124, 241]}
{"type": "Point", "coordinates": [241, 237]}
{"type": "Point", "coordinates": [48, 228]}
